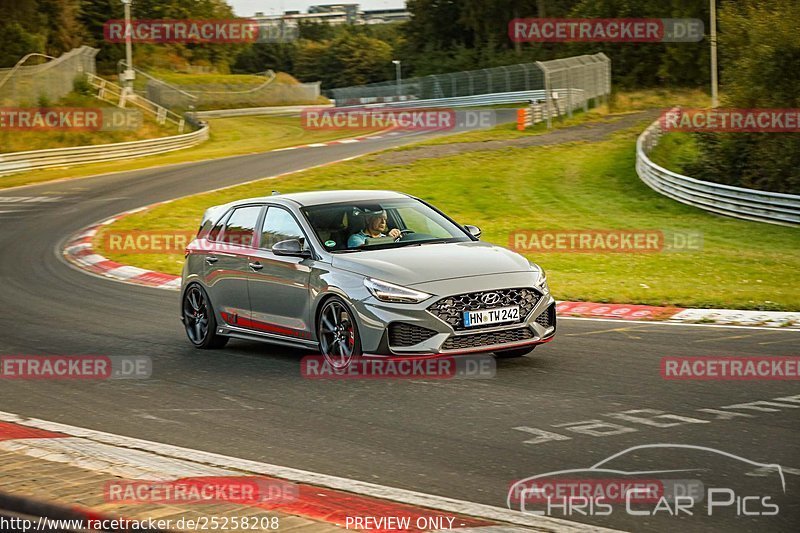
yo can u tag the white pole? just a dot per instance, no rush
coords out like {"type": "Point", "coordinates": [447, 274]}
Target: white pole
{"type": "Point", "coordinates": [398, 75]}
{"type": "Point", "coordinates": [128, 74]}
{"type": "Point", "coordinates": [714, 81]}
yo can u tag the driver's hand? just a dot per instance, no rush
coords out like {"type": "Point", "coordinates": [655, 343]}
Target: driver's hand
{"type": "Point", "coordinates": [395, 233]}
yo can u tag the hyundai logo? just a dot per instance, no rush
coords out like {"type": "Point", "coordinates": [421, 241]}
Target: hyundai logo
{"type": "Point", "coordinates": [490, 298]}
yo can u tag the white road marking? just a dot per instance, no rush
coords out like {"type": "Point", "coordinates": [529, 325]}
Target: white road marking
{"type": "Point", "coordinates": [657, 322]}
{"type": "Point", "coordinates": [213, 460]}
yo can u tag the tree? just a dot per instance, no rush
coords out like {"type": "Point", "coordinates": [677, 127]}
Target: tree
{"type": "Point", "coordinates": [760, 59]}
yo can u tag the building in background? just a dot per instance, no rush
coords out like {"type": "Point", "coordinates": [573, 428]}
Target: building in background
{"type": "Point", "coordinates": [333, 14]}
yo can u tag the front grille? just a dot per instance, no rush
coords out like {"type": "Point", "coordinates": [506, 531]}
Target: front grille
{"type": "Point", "coordinates": [451, 309]}
{"type": "Point", "coordinates": [461, 342]}
{"type": "Point", "coordinates": [548, 318]}
{"type": "Point", "coordinates": [401, 334]}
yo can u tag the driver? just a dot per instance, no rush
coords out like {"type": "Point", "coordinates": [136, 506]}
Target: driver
{"type": "Point", "coordinates": [375, 228]}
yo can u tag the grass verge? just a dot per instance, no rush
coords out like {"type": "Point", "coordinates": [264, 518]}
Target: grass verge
{"type": "Point", "coordinates": [24, 140]}
{"type": "Point", "coordinates": [229, 136]}
{"type": "Point", "coordinates": [574, 186]}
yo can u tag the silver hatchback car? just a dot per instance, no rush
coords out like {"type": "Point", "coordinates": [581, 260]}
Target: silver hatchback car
{"type": "Point", "coordinates": [359, 273]}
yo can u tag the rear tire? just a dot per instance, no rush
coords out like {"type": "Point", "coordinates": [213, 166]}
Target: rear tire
{"type": "Point", "coordinates": [199, 319]}
{"type": "Point", "coordinates": [514, 352]}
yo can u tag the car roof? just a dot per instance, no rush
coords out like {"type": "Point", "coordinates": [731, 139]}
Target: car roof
{"type": "Point", "coordinates": [305, 199]}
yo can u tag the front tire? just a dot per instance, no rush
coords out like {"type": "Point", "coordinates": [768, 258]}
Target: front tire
{"type": "Point", "coordinates": [337, 332]}
{"type": "Point", "coordinates": [199, 319]}
{"type": "Point", "coordinates": [514, 352]}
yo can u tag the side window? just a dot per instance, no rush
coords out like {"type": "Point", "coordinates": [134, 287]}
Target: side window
{"type": "Point", "coordinates": [279, 225]}
{"type": "Point", "coordinates": [241, 226]}
{"type": "Point", "coordinates": [214, 235]}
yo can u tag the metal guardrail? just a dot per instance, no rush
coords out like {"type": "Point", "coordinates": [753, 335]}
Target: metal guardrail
{"type": "Point", "coordinates": [79, 155]}
{"type": "Point", "coordinates": [738, 202]}
{"type": "Point", "coordinates": [464, 101]}
{"type": "Point", "coordinates": [256, 111]}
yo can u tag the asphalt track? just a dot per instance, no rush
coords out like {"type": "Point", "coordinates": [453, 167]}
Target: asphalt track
{"type": "Point", "coordinates": [463, 439]}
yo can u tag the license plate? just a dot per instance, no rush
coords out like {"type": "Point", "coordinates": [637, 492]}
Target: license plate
{"type": "Point", "coordinates": [482, 317]}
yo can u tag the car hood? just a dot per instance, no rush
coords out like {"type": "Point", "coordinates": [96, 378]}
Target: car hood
{"type": "Point", "coordinates": [409, 265]}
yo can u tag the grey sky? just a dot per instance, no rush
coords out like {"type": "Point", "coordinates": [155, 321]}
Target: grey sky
{"type": "Point", "coordinates": [246, 8]}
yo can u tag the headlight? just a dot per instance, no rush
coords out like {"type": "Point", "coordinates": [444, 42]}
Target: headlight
{"type": "Point", "coordinates": [389, 292]}
{"type": "Point", "coordinates": [541, 283]}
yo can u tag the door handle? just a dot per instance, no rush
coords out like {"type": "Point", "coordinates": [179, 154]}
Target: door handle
{"type": "Point", "coordinates": [211, 259]}
{"type": "Point", "coordinates": [256, 266]}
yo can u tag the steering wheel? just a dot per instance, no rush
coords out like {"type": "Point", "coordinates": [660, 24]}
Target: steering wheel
{"type": "Point", "coordinates": [403, 233]}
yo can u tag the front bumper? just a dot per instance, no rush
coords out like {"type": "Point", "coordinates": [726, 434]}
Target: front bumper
{"type": "Point", "coordinates": [413, 329]}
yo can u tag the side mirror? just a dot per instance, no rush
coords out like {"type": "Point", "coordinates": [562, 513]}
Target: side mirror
{"type": "Point", "coordinates": [475, 231]}
{"type": "Point", "coordinates": [291, 247]}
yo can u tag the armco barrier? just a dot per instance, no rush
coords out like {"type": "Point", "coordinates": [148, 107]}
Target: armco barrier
{"type": "Point", "coordinates": [738, 202]}
{"type": "Point", "coordinates": [79, 155]}
{"type": "Point", "coordinates": [464, 101]}
{"type": "Point", "coordinates": [257, 111]}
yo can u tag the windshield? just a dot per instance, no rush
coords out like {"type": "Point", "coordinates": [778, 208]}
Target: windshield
{"type": "Point", "coordinates": [380, 224]}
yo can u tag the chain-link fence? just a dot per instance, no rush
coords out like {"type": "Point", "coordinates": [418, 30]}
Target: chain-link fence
{"type": "Point", "coordinates": [226, 96]}
{"type": "Point", "coordinates": [572, 83]}
{"type": "Point", "coordinates": [575, 81]}
{"type": "Point", "coordinates": [29, 84]}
